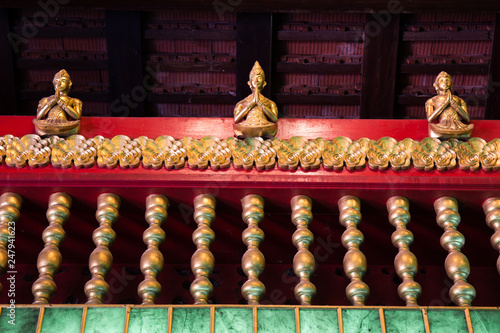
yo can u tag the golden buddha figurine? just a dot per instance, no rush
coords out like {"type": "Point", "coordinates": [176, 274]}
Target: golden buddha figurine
{"type": "Point", "coordinates": [450, 109]}
{"type": "Point", "coordinates": [53, 111]}
{"type": "Point", "coordinates": [256, 115]}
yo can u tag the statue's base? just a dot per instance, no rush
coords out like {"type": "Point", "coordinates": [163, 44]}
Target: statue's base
{"type": "Point", "coordinates": [47, 127]}
{"type": "Point", "coordinates": [442, 133]}
{"type": "Point", "coordinates": [245, 131]}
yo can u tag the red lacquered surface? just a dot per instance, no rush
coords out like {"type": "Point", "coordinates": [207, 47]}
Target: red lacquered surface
{"type": "Point", "coordinates": [222, 128]}
{"type": "Point", "coordinates": [277, 187]}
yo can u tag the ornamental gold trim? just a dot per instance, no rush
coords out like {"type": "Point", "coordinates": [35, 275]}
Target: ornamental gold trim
{"type": "Point", "coordinates": [251, 153]}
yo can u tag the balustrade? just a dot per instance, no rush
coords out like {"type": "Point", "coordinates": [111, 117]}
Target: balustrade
{"type": "Point", "coordinates": [253, 290]}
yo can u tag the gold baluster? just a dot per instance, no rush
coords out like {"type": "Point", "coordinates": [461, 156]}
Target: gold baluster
{"type": "Point", "coordinates": [50, 258]}
{"type": "Point", "coordinates": [253, 261]}
{"type": "Point", "coordinates": [405, 263]}
{"type": "Point", "coordinates": [152, 259]}
{"type": "Point", "coordinates": [491, 208]}
{"type": "Point", "coordinates": [456, 263]}
{"type": "Point", "coordinates": [303, 262]}
{"type": "Point", "coordinates": [202, 261]}
{"type": "Point", "coordinates": [354, 260]}
{"type": "Point", "coordinates": [10, 203]}
{"type": "Point", "coordinates": [101, 259]}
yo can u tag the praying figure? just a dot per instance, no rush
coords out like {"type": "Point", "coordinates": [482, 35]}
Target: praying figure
{"type": "Point", "coordinates": [451, 110]}
{"type": "Point", "coordinates": [256, 115]}
{"type": "Point", "coordinates": [59, 114]}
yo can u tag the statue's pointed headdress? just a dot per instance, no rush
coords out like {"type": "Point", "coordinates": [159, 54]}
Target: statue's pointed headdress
{"type": "Point", "coordinates": [256, 68]}
{"type": "Point", "coordinates": [443, 74]}
{"type": "Point", "coordinates": [59, 75]}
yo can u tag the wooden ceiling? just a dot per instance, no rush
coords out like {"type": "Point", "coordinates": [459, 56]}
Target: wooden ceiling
{"type": "Point", "coordinates": [323, 59]}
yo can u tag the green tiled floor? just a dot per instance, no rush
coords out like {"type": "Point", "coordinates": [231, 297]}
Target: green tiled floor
{"type": "Point", "coordinates": [360, 320]}
{"type": "Point", "coordinates": [229, 319]}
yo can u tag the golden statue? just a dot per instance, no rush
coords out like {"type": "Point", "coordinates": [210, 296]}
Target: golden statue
{"type": "Point", "coordinates": [450, 109]}
{"type": "Point", "coordinates": [53, 111]}
{"type": "Point", "coordinates": [256, 115]}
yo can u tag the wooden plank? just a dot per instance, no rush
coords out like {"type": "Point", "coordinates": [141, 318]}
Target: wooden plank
{"type": "Point", "coordinates": [225, 6]}
{"type": "Point", "coordinates": [492, 109]}
{"type": "Point", "coordinates": [318, 99]}
{"type": "Point", "coordinates": [205, 66]}
{"type": "Point", "coordinates": [320, 68]}
{"type": "Point", "coordinates": [410, 36]}
{"type": "Point", "coordinates": [342, 36]}
{"type": "Point", "coordinates": [61, 63]}
{"type": "Point", "coordinates": [192, 98]}
{"type": "Point", "coordinates": [379, 68]}
{"type": "Point", "coordinates": [123, 36]}
{"type": "Point", "coordinates": [254, 43]}
{"type": "Point", "coordinates": [184, 34]}
{"type": "Point", "coordinates": [8, 103]}
{"type": "Point", "coordinates": [449, 68]}
{"type": "Point", "coordinates": [66, 32]}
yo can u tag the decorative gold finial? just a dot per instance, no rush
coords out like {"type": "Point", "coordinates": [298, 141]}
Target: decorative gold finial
{"type": "Point", "coordinates": [456, 263]}
{"type": "Point", "coordinates": [303, 262]}
{"type": "Point", "coordinates": [53, 111]}
{"type": "Point", "coordinates": [101, 259]}
{"type": "Point", "coordinates": [152, 259]}
{"type": "Point", "coordinates": [450, 109]}
{"type": "Point", "coordinates": [354, 260]}
{"type": "Point", "coordinates": [10, 203]}
{"type": "Point", "coordinates": [256, 115]}
{"type": "Point", "coordinates": [253, 261]}
{"type": "Point", "coordinates": [50, 258]}
{"type": "Point", "coordinates": [405, 263]}
{"type": "Point", "coordinates": [202, 261]}
{"type": "Point", "coordinates": [491, 208]}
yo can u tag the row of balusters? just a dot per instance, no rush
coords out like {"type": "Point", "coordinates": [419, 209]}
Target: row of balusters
{"type": "Point", "coordinates": [253, 261]}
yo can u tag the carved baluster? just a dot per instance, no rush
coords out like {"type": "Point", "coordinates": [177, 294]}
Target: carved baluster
{"type": "Point", "coordinates": [202, 261]}
{"type": "Point", "coordinates": [152, 259]}
{"type": "Point", "coordinates": [50, 258]}
{"type": "Point", "coordinates": [491, 208]}
{"type": "Point", "coordinates": [456, 263]}
{"type": "Point", "coordinates": [10, 203]}
{"type": "Point", "coordinates": [101, 259]}
{"type": "Point", "coordinates": [303, 262]}
{"type": "Point", "coordinates": [354, 260]}
{"type": "Point", "coordinates": [253, 261]}
{"type": "Point", "coordinates": [405, 263]}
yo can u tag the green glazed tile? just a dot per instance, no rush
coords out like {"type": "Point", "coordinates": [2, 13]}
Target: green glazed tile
{"type": "Point", "coordinates": [485, 321]}
{"type": "Point", "coordinates": [150, 320]}
{"type": "Point", "coordinates": [404, 321]}
{"type": "Point", "coordinates": [319, 320]}
{"type": "Point", "coordinates": [360, 320]}
{"type": "Point", "coordinates": [229, 320]}
{"type": "Point", "coordinates": [191, 320]}
{"type": "Point", "coordinates": [447, 321]}
{"type": "Point", "coordinates": [25, 320]}
{"type": "Point", "coordinates": [67, 320]}
{"type": "Point", "coordinates": [271, 320]}
{"type": "Point", "coordinates": [105, 319]}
